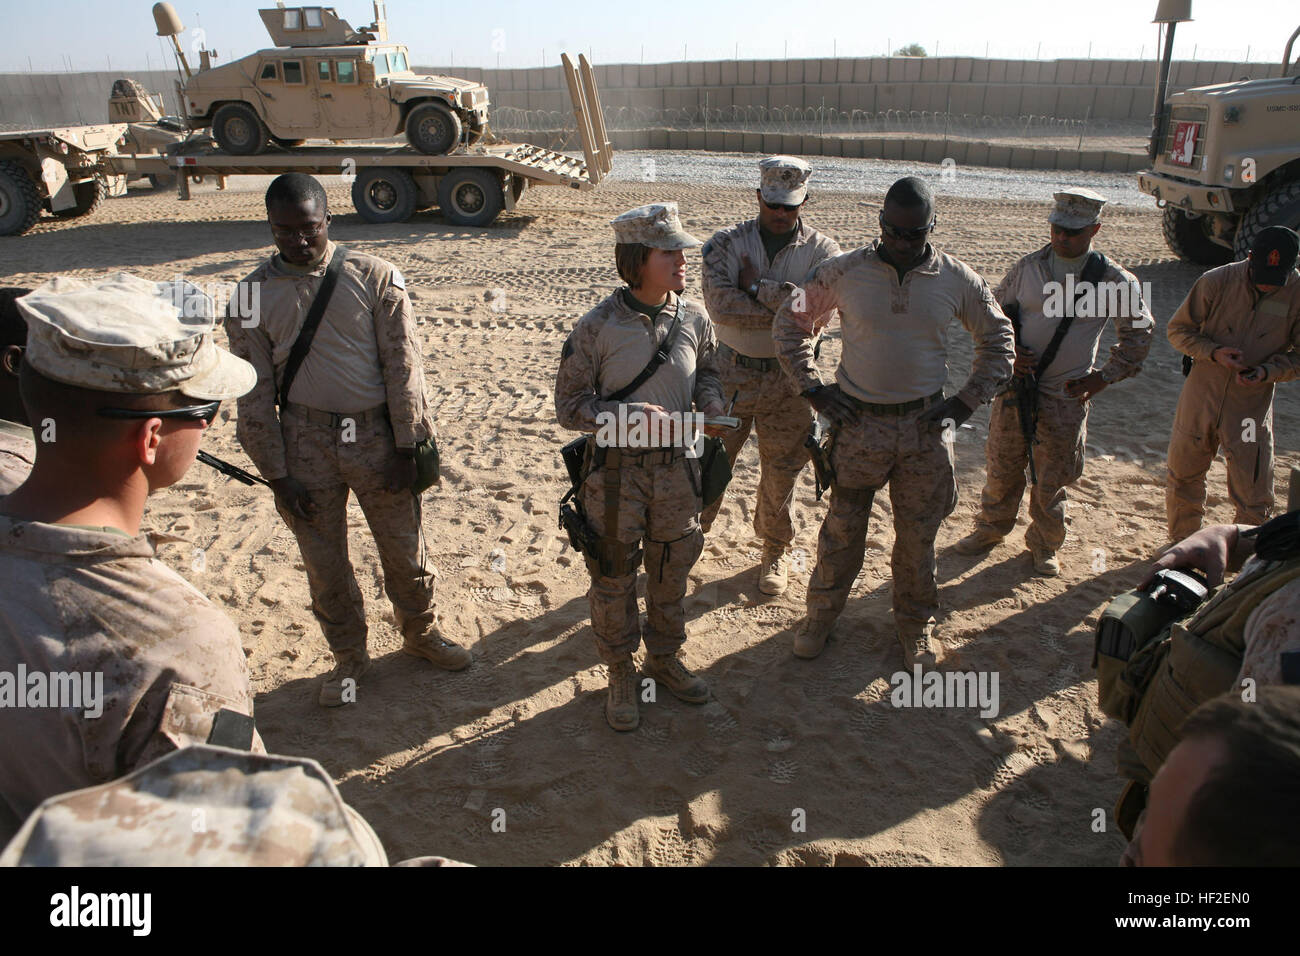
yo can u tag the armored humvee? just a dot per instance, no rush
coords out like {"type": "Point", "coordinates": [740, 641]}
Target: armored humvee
{"type": "Point", "coordinates": [1225, 158]}
{"type": "Point", "coordinates": [325, 80]}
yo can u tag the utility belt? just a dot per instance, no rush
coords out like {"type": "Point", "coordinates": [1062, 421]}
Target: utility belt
{"type": "Point", "coordinates": [336, 419]}
{"type": "Point", "coordinates": [729, 355]}
{"type": "Point", "coordinates": [635, 457]}
{"type": "Point", "coordinates": [898, 410]}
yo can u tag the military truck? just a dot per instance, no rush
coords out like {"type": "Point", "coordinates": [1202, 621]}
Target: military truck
{"type": "Point", "coordinates": [64, 171]}
{"type": "Point", "coordinates": [1225, 158]}
{"type": "Point", "coordinates": [325, 80]}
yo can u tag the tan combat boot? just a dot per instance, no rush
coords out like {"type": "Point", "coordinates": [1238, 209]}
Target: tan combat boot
{"type": "Point", "coordinates": [332, 691]}
{"type": "Point", "coordinates": [811, 637]}
{"type": "Point", "coordinates": [978, 541]}
{"type": "Point", "coordinates": [1045, 562]}
{"type": "Point", "coordinates": [620, 707]}
{"type": "Point", "coordinates": [435, 648]}
{"type": "Point", "coordinates": [667, 669]}
{"type": "Point", "coordinates": [772, 571]}
{"type": "Point", "coordinates": [919, 647]}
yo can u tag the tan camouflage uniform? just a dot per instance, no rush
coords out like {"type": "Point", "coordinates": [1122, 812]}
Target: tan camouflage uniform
{"type": "Point", "coordinates": [17, 453]}
{"type": "Point", "coordinates": [1062, 421]}
{"type": "Point", "coordinates": [895, 352]}
{"type": "Point", "coordinates": [659, 489]}
{"type": "Point", "coordinates": [365, 370]}
{"type": "Point", "coordinates": [766, 399]}
{"type": "Point", "coordinates": [1224, 309]}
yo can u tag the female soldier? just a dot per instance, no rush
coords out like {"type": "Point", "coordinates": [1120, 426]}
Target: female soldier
{"type": "Point", "coordinates": [642, 488]}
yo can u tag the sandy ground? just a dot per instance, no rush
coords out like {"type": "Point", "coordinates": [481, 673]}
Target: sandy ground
{"type": "Point", "coordinates": [430, 757]}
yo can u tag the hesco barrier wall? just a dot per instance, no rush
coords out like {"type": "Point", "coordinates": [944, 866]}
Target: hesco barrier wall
{"type": "Point", "coordinates": [1058, 114]}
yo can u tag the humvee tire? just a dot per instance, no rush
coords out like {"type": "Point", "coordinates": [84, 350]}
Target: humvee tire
{"type": "Point", "coordinates": [161, 180]}
{"type": "Point", "coordinates": [89, 197]}
{"type": "Point", "coordinates": [384, 194]}
{"type": "Point", "coordinates": [470, 197]}
{"type": "Point", "coordinates": [432, 128]}
{"type": "Point", "coordinates": [1279, 207]}
{"type": "Point", "coordinates": [1188, 240]}
{"type": "Point", "coordinates": [20, 203]}
{"type": "Point", "coordinates": [238, 130]}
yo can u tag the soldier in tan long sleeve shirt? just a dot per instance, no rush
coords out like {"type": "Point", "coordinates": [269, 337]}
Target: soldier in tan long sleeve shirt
{"type": "Point", "coordinates": [350, 422]}
{"type": "Point", "coordinates": [1038, 286]}
{"type": "Point", "coordinates": [748, 272]}
{"type": "Point", "coordinates": [896, 299]}
{"type": "Point", "coordinates": [1240, 325]}
{"type": "Point", "coordinates": [641, 497]}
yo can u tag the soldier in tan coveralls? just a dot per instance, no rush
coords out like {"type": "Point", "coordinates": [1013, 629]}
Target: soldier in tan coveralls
{"type": "Point", "coordinates": [1065, 387]}
{"type": "Point", "coordinates": [896, 299]}
{"type": "Point", "coordinates": [351, 421]}
{"type": "Point", "coordinates": [749, 270]}
{"type": "Point", "coordinates": [17, 442]}
{"type": "Point", "coordinates": [129, 387]}
{"type": "Point", "coordinates": [1240, 325]}
{"type": "Point", "coordinates": [644, 490]}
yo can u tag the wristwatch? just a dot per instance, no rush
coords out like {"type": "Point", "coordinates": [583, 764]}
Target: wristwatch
{"type": "Point", "coordinates": [753, 289]}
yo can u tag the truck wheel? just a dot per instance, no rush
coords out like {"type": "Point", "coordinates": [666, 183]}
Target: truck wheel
{"type": "Point", "coordinates": [470, 197]}
{"type": "Point", "coordinates": [384, 194]}
{"type": "Point", "coordinates": [20, 203]}
{"type": "Point", "coordinates": [1189, 240]}
{"type": "Point", "coordinates": [1279, 207]}
{"type": "Point", "coordinates": [162, 180]}
{"type": "Point", "coordinates": [432, 128]}
{"type": "Point", "coordinates": [89, 195]}
{"type": "Point", "coordinates": [238, 130]}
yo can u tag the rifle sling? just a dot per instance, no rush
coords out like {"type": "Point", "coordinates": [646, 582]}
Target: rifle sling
{"type": "Point", "coordinates": [302, 344]}
{"type": "Point", "coordinates": [1092, 271]}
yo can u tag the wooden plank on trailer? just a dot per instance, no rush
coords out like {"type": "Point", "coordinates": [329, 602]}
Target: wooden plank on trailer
{"type": "Point", "coordinates": [585, 132]}
{"type": "Point", "coordinates": [603, 162]}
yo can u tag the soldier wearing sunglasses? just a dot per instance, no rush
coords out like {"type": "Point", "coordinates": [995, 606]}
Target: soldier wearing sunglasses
{"type": "Point", "coordinates": [749, 271]}
{"type": "Point", "coordinates": [897, 299]}
{"type": "Point", "coordinates": [121, 383]}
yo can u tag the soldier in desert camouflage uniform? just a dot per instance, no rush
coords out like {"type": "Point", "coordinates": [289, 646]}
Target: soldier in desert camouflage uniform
{"type": "Point", "coordinates": [128, 387]}
{"type": "Point", "coordinates": [896, 299]}
{"type": "Point", "coordinates": [351, 422]}
{"type": "Point", "coordinates": [642, 491]}
{"type": "Point", "coordinates": [1064, 388]}
{"type": "Point", "coordinates": [749, 270]}
{"type": "Point", "coordinates": [17, 443]}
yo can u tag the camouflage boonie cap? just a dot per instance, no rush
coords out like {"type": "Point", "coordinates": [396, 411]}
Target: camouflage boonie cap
{"type": "Point", "coordinates": [201, 806]}
{"type": "Point", "coordinates": [784, 180]}
{"type": "Point", "coordinates": [123, 333]}
{"type": "Point", "coordinates": [1076, 208]}
{"type": "Point", "coordinates": [655, 225]}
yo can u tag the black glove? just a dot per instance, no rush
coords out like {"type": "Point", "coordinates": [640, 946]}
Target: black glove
{"type": "Point", "coordinates": [831, 402]}
{"type": "Point", "coordinates": [953, 408]}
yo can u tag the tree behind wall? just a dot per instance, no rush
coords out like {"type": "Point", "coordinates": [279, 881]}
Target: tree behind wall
{"type": "Point", "coordinates": [912, 49]}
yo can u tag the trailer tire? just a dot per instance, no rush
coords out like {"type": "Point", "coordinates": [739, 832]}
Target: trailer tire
{"type": "Point", "coordinates": [90, 195]}
{"type": "Point", "coordinates": [1279, 206]}
{"type": "Point", "coordinates": [384, 194]}
{"type": "Point", "coordinates": [433, 129]}
{"type": "Point", "coordinates": [239, 130]}
{"type": "Point", "coordinates": [162, 180]}
{"type": "Point", "coordinates": [470, 197]}
{"type": "Point", "coordinates": [20, 203]}
{"type": "Point", "coordinates": [1188, 240]}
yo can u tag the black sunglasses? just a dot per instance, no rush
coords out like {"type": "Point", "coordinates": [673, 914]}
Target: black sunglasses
{"type": "Point", "coordinates": [898, 232]}
{"type": "Point", "coordinates": [774, 206]}
{"type": "Point", "coordinates": [1071, 232]}
{"type": "Point", "coordinates": [190, 413]}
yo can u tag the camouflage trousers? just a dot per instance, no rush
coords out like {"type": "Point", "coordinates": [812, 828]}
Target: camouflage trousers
{"type": "Point", "coordinates": [319, 457]}
{"type": "Point", "coordinates": [658, 503]}
{"type": "Point", "coordinates": [918, 467]}
{"type": "Point", "coordinates": [767, 403]}
{"type": "Point", "coordinates": [1058, 460]}
{"type": "Point", "coordinates": [1240, 421]}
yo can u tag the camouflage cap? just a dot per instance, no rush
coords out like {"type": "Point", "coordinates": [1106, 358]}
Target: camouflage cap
{"type": "Point", "coordinates": [201, 806]}
{"type": "Point", "coordinates": [1076, 207]}
{"type": "Point", "coordinates": [784, 180]}
{"type": "Point", "coordinates": [656, 226]}
{"type": "Point", "coordinates": [123, 333]}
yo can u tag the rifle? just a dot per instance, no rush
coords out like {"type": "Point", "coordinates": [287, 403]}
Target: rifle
{"type": "Point", "coordinates": [231, 471]}
{"type": "Point", "coordinates": [819, 443]}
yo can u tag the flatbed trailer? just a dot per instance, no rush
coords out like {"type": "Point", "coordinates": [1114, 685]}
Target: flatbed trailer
{"type": "Point", "coordinates": [59, 170]}
{"type": "Point", "coordinates": [390, 182]}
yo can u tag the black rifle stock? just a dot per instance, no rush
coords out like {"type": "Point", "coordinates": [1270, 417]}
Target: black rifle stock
{"type": "Point", "coordinates": [1025, 390]}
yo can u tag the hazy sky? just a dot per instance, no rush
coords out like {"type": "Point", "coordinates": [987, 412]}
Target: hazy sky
{"type": "Point", "coordinates": [104, 34]}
